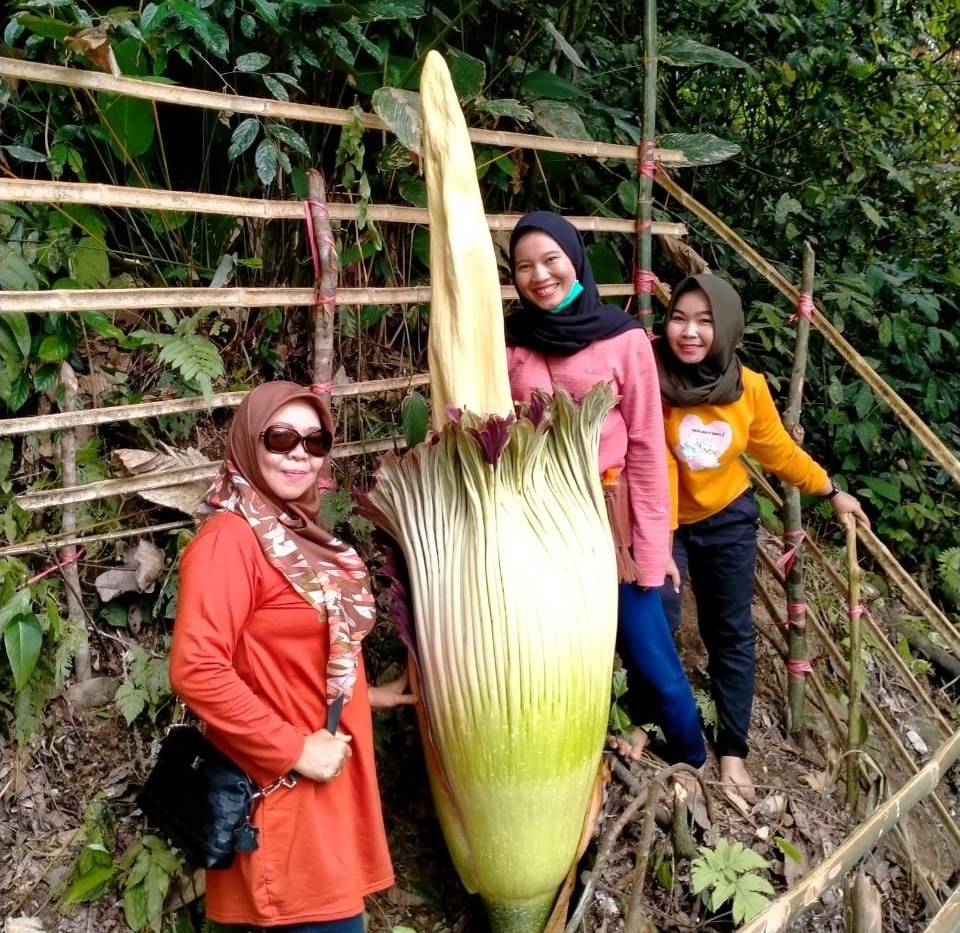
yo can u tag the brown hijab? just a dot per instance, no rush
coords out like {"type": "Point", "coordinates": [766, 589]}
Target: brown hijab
{"type": "Point", "coordinates": [717, 379]}
{"type": "Point", "coordinates": [325, 571]}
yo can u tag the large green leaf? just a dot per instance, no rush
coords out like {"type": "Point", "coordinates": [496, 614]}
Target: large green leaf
{"type": "Point", "coordinates": [559, 119]}
{"type": "Point", "coordinates": [468, 74]}
{"type": "Point", "coordinates": [243, 137]}
{"type": "Point", "coordinates": [699, 148]}
{"type": "Point", "coordinates": [91, 267]}
{"type": "Point", "coordinates": [18, 327]}
{"type": "Point", "coordinates": [15, 272]}
{"type": "Point", "coordinates": [682, 51]}
{"type": "Point", "coordinates": [54, 348]}
{"type": "Point", "coordinates": [130, 122]}
{"type": "Point", "coordinates": [388, 9]}
{"type": "Point", "coordinates": [45, 26]}
{"type": "Point", "coordinates": [22, 638]}
{"type": "Point", "coordinates": [401, 111]}
{"type": "Point", "coordinates": [187, 15]}
{"type": "Point", "coordinates": [545, 84]}
{"type": "Point", "coordinates": [568, 50]}
{"type": "Point", "coordinates": [504, 107]}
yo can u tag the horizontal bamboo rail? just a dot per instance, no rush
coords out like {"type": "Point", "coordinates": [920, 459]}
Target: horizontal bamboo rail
{"type": "Point", "coordinates": [72, 300]}
{"type": "Point", "coordinates": [198, 202]}
{"type": "Point", "coordinates": [52, 543]}
{"type": "Point", "coordinates": [779, 914]}
{"type": "Point", "coordinates": [73, 419]}
{"type": "Point", "coordinates": [175, 476]}
{"type": "Point", "coordinates": [310, 113]}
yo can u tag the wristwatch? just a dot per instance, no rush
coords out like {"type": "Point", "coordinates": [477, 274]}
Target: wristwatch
{"type": "Point", "coordinates": [834, 489]}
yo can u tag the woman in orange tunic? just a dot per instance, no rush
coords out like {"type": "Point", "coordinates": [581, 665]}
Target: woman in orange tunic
{"type": "Point", "coordinates": [270, 615]}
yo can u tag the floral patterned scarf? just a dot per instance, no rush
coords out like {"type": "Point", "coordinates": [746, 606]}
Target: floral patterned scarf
{"type": "Point", "coordinates": [325, 571]}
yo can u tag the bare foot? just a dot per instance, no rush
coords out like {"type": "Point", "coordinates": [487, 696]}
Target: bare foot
{"type": "Point", "coordinates": [631, 748]}
{"type": "Point", "coordinates": [735, 777]}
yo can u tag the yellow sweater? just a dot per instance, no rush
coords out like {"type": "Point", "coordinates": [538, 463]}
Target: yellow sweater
{"type": "Point", "coordinates": [704, 444]}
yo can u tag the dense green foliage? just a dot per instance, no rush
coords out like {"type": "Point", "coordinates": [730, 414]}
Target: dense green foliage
{"type": "Point", "coordinates": [829, 121]}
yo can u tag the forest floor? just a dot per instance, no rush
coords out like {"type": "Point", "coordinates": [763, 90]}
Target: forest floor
{"type": "Point", "coordinates": [79, 760]}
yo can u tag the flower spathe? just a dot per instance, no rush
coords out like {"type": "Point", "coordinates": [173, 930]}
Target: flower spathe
{"type": "Point", "coordinates": [514, 592]}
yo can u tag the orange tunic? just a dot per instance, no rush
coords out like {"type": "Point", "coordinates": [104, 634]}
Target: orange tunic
{"type": "Point", "coordinates": [249, 657]}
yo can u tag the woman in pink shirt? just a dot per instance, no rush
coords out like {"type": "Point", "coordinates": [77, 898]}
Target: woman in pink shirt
{"type": "Point", "coordinates": [563, 335]}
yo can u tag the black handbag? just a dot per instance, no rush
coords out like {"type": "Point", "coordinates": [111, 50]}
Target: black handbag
{"type": "Point", "coordinates": [201, 800]}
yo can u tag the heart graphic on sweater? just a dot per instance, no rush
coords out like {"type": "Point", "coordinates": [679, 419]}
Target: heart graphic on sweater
{"type": "Point", "coordinates": [701, 445]}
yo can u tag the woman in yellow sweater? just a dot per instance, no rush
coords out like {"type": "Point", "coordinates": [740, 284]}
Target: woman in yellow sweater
{"type": "Point", "coordinates": [715, 409]}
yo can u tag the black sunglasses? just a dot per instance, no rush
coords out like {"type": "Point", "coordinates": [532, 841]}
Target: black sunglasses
{"type": "Point", "coordinates": [280, 440]}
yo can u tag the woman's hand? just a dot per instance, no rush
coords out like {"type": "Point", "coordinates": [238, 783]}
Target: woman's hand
{"type": "Point", "coordinates": [844, 503]}
{"type": "Point", "coordinates": [673, 575]}
{"type": "Point", "coordinates": [323, 755]}
{"type": "Point", "coordinates": [394, 693]}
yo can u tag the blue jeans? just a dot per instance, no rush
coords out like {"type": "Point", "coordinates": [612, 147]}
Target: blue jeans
{"type": "Point", "coordinates": [720, 554]}
{"type": "Point", "coordinates": [657, 686]}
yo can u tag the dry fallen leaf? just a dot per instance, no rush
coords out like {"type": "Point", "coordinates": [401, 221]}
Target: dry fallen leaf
{"type": "Point", "coordinates": [184, 497]}
{"type": "Point", "coordinates": [23, 925]}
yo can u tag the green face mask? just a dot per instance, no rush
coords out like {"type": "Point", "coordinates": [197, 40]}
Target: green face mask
{"type": "Point", "coordinates": [576, 290]}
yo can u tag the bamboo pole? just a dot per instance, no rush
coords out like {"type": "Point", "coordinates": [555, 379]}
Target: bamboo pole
{"type": "Point", "coordinates": [76, 540]}
{"type": "Point", "coordinates": [643, 253]}
{"type": "Point", "coordinates": [946, 818]}
{"type": "Point", "coordinates": [931, 443]}
{"type": "Point", "coordinates": [200, 202]}
{"type": "Point", "coordinates": [95, 416]}
{"type": "Point", "coordinates": [857, 673]}
{"type": "Point", "coordinates": [68, 553]}
{"type": "Point", "coordinates": [327, 269]}
{"type": "Point", "coordinates": [947, 919]}
{"type": "Point", "coordinates": [797, 663]}
{"type": "Point", "coordinates": [64, 301]}
{"type": "Point", "coordinates": [175, 476]}
{"type": "Point", "coordinates": [310, 113]}
{"type": "Point", "coordinates": [891, 655]}
{"type": "Point", "coordinates": [910, 589]}
{"type": "Point", "coordinates": [777, 915]}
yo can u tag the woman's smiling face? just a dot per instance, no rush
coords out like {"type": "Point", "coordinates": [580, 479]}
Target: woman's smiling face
{"type": "Point", "coordinates": [689, 330]}
{"type": "Point", "coordinates": [290, 475]}
{"type": "Point", "coordinates": [542, 271]}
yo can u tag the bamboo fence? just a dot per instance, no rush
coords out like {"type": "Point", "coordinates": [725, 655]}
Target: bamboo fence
{"type": "Point", "coordinates": [918, 787]}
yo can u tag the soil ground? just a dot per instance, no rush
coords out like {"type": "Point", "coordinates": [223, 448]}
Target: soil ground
{"type": "Point", "coordinates": [78, 760]}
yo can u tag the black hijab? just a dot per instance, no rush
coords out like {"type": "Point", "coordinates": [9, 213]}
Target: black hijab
{"type": "Point", "coordinates": [717, 379]}
{"type": "Point", "coordinates": [586, 319]}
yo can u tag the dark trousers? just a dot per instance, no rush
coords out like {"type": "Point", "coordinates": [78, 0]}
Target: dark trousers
{"type": "Point", "coordinates": [657, 686]}
{"type": "Point", "coordinates": [719, 554]}
{"type": "Point", "coordinates": [346, 925]}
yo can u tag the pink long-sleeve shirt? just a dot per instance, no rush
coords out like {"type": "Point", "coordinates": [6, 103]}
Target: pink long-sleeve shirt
{"type": "Point", "coordinates": [632, 439]}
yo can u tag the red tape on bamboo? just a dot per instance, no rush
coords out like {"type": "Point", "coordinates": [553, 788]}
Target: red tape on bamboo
{"type": "Point", "coordinates": [804, 308]}
{"type": "Point", "coordinates": [786, 559]}
{"type": "Point", "coordinates": [314, 251]}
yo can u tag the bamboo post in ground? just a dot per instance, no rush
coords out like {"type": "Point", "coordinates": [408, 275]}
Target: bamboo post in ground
{"type": "Point", "coordinates": [797, 663]}
{"type": "Point", "coordinates": [779, 914]}
{"type": "Point", "coordinates": [69, 553]}
{"type": "Point", "coordinates": [854, 610]}
{"type": "Point", "coordinates": [646, 165]}
{"type": "Point", "coordinates": [323, 250]}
